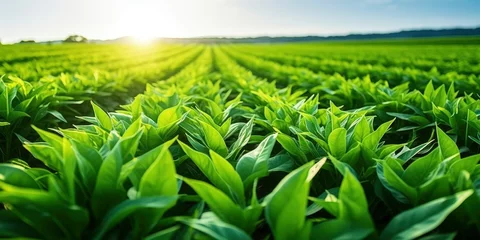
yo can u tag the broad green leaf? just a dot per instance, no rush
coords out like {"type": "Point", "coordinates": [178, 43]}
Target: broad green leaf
{"type": "Point", "coordinates": [216, 229]}
{"type": "Point", "coordinates": [102, 117]}
{"type": "Point", "coordinates": [465, 164]}
{"type": "Point", "coordinates": [362, 130]}
{"type": "Point", "coordinates": [289, 144]}
{"type": "Point", "coordinates": [354, 202]}
{"type": "Point", "coordinates": [417, 221]}
{"type": "Point", "coordinates": [280, 163]}
{"type": "Point", "coordinates": [17, 176]}
{"type": "Point", "coordinates": [330, 203]}
{"type": "Point", "coordinates": [219, 171]}
{"type": "Point", "coordinates": [219, 202]}
{"type": "Point", "coordinates": [286, 205]}
{"type": "Point", "coordinates": [254, 164]}
{"type": "Point", "coordinates": [44, 211]}
{"type": "Point", "coordinates": [228, 173]}
{"type": "Point", "coordinates": [214, 140]}
{"type": "Point", "coordinates": [47, 154]}
{"type": "Point", "coordinates": [160, 177]}
{"type": "Point", "coordinates": [371, 140]}
{"type": "Point", "coordinates": [340, 230]}
{"type": "Point", "coordinates": [243, 138]}
{"type": "Point", "coordinates": [135, 169]}
{"type": "Point", "coordinates": [106, 185]}
{"type": "Point", "coordinates": [418, 172]}
{"type": "Point", "coordinates": [353, 218]}
{"type": "Point", "coordinates": [447, 146]}
{"type": "Point", "coordinates": [342, 167]}
{"type": "Point", "coordinates": [11, 226]}
{"type": "Point", "coordinates": [52, 139]}
{"type": "Point", "coordinates": [159, 180]}
{"type": "Point", "coordinates": [337, 142]}
{"type": "Point", "coordinates": [168, 116]}
{"type": "Point", "coordinates": [398, 183]}
{"type": "Point", "coordinates": [435, 188]}
{"type": "Point", "coordinates": [128, 207]}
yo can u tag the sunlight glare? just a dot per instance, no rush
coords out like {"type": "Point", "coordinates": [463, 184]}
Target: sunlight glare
{"type": "Point", "coordinates": [143, 39]}
{"type": "Point", "coordinates": [146, 22]}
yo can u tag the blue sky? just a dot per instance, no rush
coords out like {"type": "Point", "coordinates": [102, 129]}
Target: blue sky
{"type": "Point", "coordinates": [106, 19]}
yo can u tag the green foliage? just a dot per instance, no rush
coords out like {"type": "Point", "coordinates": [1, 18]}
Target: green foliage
{"type": "Point", "coordinates": [294, 141]}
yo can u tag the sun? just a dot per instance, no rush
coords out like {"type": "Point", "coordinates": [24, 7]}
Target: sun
{"type": "Point", "coordinates": [142, 32]}
{"type": "Point", "coordinates": [148, 20]}
{"type": "Point", "coordinates": [141, 25]}
{"type": "Point", "coordinates": [143, 39]}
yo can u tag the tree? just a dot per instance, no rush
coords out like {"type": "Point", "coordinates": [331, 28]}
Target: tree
{"type": "Point", "coordinates": [27, 41]}
{"type": "Point", "coordinates": [75, 39]}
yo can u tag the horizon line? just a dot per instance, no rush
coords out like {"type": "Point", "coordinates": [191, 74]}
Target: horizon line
{"type": "Point", "coordinates": [470, 27]}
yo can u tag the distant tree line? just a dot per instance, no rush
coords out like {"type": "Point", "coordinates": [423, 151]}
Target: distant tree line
{"type": "Point", "coordinates": [69, 39]}
{"type": "Point", "coordinates": [26, 41]}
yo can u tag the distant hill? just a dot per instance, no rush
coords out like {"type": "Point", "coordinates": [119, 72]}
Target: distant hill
{"type": "Point", "coordinates": [407, 34]}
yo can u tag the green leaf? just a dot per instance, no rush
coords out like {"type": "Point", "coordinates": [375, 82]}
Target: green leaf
{"type": "Point", "coordinates": [160, 177]}
{"type": "Point", "coordinates": [159, 180]}
{"type": "Point", "coordinates": [216, 229]}
{"type": "Point", "coordinates": [435, 188]}
{"type": "Point", "coordinates": [16, 175]}
{"type": "Point", "coordinates": [11, 226]}
{"type": "Point", "coordinates": [52, 139]}
{"type": "Point", "coordinates": [438, 236]}
{"type": "Point", "coordinates": [135, 169]}
{"type": "Point", "coordinates": [128, 207]}
{"type": "Point", "coordinates": [47, 154]}
{"type": "Point", "coordinates": [242, 140]}
{"type": "Point", "coordinates": [45, 211]}
{"type": "Point", "coordinates": [102, 117]}
{"type": "Point", "coordinates": [465, 164]}
{"type": "Point", "coordinates": [254, 164]}
{"type": "Point", "coordinates": [355, 205]}
{"type": "Point", "coordinates": [219, 171]}
{"type": "Point", "coordinates": [417, 221]}
{"type": "Point", "coordinates": [286, 205]}
{"type": "Point", "coordinates": [214, 140]}
{"type": "Point", "coordinates": [219, 202]}
{"type": "Point", "coordinates": [168, 116]}
{"type": "Point", "coordinates": [371, 140]}
{"type": "Point", "coordinates": [106, 186]}
{"type": "Point", "coordinates": [289, 144]}
{"type": "Point", "coordinates": [168, 233]}
{"type": "Point", "coordinates": [447, 146]}
{"type": "Point", "coordinates": [353, 218]}
{"type": "Point", "coordinates": [280, 163]}
{"type": "Point", "coordinates": [231, 177]}
{"type": "Point", "coordinates": [397, 183]}
{"type": "Point", "coordinates": [342, 167]}
{"type": "Point", "coordinates": [339, 229]}
{"type": "Point", "coordinates": [330, 203]}
{"type": "Point", "coordinates": [337, 142]}
{"type": "Point", "coordinates": [418, 172]}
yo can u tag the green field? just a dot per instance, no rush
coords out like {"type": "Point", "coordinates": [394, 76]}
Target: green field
{"type": "Point", "coordinates": [331, 140]}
